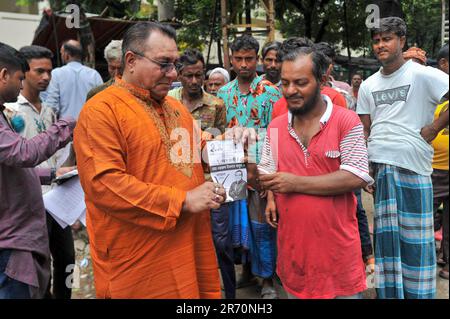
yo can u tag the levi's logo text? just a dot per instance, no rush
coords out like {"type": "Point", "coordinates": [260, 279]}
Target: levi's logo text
{"type": "Point", "coordinates": [391, 96]}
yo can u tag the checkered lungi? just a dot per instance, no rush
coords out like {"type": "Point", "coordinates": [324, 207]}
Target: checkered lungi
{"type": "Point", "coordinates": [405, 256]}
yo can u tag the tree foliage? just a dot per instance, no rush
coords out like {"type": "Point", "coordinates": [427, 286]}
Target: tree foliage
{"type": "Point", "coordinates": [423, 18]}
{"type": "Point", "coordinates": [320, 20]}
{"type": "Point", "coordinates": [324, 20]}
{"type": "Point", "coordinates": [196, 20]}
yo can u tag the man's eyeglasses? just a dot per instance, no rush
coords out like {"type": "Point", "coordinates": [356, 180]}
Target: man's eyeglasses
{"type": "Point", "coordinates": [165, 67]}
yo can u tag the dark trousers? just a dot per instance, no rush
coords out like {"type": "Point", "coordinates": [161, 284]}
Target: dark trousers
{"type": "Point", "coordinates": [220, 224]}
{"type": "Point", "coordinates": [10, 288]}
{"type": "Point", "coordinates": [63, 255]}
{"type": "Point", "coordinates": [440, 196]}
{"type": "Point", "coordinates": [442, 221]}
{"type": "Point", "coordinates": [363, 226]}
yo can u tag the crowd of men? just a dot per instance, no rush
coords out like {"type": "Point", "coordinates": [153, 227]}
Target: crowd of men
{"type": "Point", "coordinates": [159, 226]}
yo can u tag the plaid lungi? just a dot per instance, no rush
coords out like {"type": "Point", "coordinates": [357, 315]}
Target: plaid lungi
{"type": "Point", "coordinates": [405, 256]}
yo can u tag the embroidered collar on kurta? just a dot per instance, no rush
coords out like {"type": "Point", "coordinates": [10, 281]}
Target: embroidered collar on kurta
{"type": "Point", "coordinates": [166, 119]}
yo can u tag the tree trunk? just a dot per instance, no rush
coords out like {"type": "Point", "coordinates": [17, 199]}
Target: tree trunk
{"type": "Point", "coordinates": [219, 52]}
{"type": "Point", "coordinates": [166, 10]}
{"type": "Point", "coordinates": [248, 15]}
{"type": "Point", "coordinates": [212, 30]}
{"type": "Point", "coordinates": [308, 24]}
{"type": "Point", "coordinates": [322, 30]}
{"type": "Point", "coordinates": [347, 39]}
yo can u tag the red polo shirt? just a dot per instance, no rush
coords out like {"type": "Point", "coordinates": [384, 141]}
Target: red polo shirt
{"type": "Point", "coordinates": [319, 248]}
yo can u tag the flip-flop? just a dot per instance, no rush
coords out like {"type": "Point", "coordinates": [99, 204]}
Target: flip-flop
{"type": "Point", "coordinates": [269, 293]}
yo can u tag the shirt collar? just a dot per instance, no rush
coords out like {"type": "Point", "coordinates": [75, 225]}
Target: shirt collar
{"type": "Point", "coordinates": [278, 84]}
{"type": "Point", "coordinates": [253, 85]}
{"type": "Point", "coordinates": [23, 101]}
{"type": "Point", "coordinates": [206, 99]}
{"type": "Point", "coordinates": [74, 63]}
{"type": "Point", "coordinates": [325, 117]}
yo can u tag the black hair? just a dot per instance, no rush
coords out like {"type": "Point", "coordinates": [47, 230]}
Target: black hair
{"type": "Point", "coordinates": [319, 60]}
{"type": "Point", "coordinates": [36, 52]}
{"type": "Point", "coordinates": [74, 51]}
{"type": "Point", "coordinates": [390, 24]}
{"type": "Point", "coordinates": [245, 42]}
{"type": "Point", "coordinates": [135, 37]}
{"type": "Point", "coordinates": [274, 45]}
{"type": "Point", "coordinates": [293, 44]}
{"type": "Point", "coordinates": [190, 57]}
{"type": "Point", "coordinates": [443, 53]}
{"type": "Point", "coordinates": [12, 60]}
{"type": "Point", "coordinates": [327, 50]}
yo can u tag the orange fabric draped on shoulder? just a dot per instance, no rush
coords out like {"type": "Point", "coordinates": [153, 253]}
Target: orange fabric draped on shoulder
{"type": "Point", "coordinates": [142, 246]}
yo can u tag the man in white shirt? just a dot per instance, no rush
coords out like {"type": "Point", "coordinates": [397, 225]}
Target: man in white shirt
{"type": "Point", "coordinates": [71, 83]}
{"type": "Point", "coordinates": [29, 116]}
{"type": "Point", "coordinates": [396, 106]}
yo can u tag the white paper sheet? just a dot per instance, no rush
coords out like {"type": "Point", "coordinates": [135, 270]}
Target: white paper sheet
{"type": "Point", "coordinates": [65, 202]}
{"type": "Point", "coordinates": [62, 155]}
{"type": "Point", "coordinates": [82, 218]}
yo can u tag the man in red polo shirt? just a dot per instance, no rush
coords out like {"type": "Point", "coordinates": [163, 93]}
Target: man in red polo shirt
{"type": "Point", "coordinates": [313, 159]}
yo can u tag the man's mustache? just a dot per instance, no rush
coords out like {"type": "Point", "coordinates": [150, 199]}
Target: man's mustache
{"type": "Point", "coordinates": [294, 97]}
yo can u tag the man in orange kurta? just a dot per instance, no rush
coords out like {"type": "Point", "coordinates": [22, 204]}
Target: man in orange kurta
{"type": "Point", "coordinates": [147, 206]}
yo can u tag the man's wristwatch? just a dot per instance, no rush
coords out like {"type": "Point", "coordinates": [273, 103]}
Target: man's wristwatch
{"type": "Point", "coordinates": [52, 174]}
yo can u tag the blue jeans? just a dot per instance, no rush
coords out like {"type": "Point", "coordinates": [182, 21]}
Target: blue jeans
{"type": "Point", "coordinates": [10, 288]}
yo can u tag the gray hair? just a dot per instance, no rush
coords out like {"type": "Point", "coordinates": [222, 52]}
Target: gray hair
{"type": "Point", "coordinates": [113, 50]}
{"type": "Point", "coordinates": [223, 72]}
{"type": "Point", "coordinates": [135, 37]}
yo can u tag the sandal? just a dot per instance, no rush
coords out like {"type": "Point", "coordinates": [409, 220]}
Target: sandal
{"type": "Point", "coordinates": [269, 293]}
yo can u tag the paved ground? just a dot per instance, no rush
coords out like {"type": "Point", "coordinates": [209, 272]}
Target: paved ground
{"type": "Point", "coordinates": [84, 285]}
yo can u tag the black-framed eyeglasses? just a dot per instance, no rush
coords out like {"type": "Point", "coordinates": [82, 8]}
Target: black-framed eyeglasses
{"type": "Point", "coordinates": [165, 67]}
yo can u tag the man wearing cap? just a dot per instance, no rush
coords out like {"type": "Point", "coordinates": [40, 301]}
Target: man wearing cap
{"type": "Point", "coordinates": [217, 78]}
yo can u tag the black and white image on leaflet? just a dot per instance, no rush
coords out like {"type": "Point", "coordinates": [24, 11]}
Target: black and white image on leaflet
{"type": "Point", "coordinates": [227, 168]}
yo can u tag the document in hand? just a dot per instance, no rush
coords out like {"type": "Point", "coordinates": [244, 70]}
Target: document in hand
{"type": "Point", "coordinates": [227, 168]}
{"type": "Point", "coordinates": [65, 202]}
{"type": "Point", "coordinates": [63, 178]}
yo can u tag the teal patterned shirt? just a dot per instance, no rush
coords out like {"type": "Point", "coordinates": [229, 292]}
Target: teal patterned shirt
{"type": "Point", "coordinates": [254, 109]}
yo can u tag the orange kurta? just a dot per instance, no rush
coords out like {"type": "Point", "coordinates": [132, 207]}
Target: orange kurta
{"type": "Point", "coordinates": [142, 245]}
